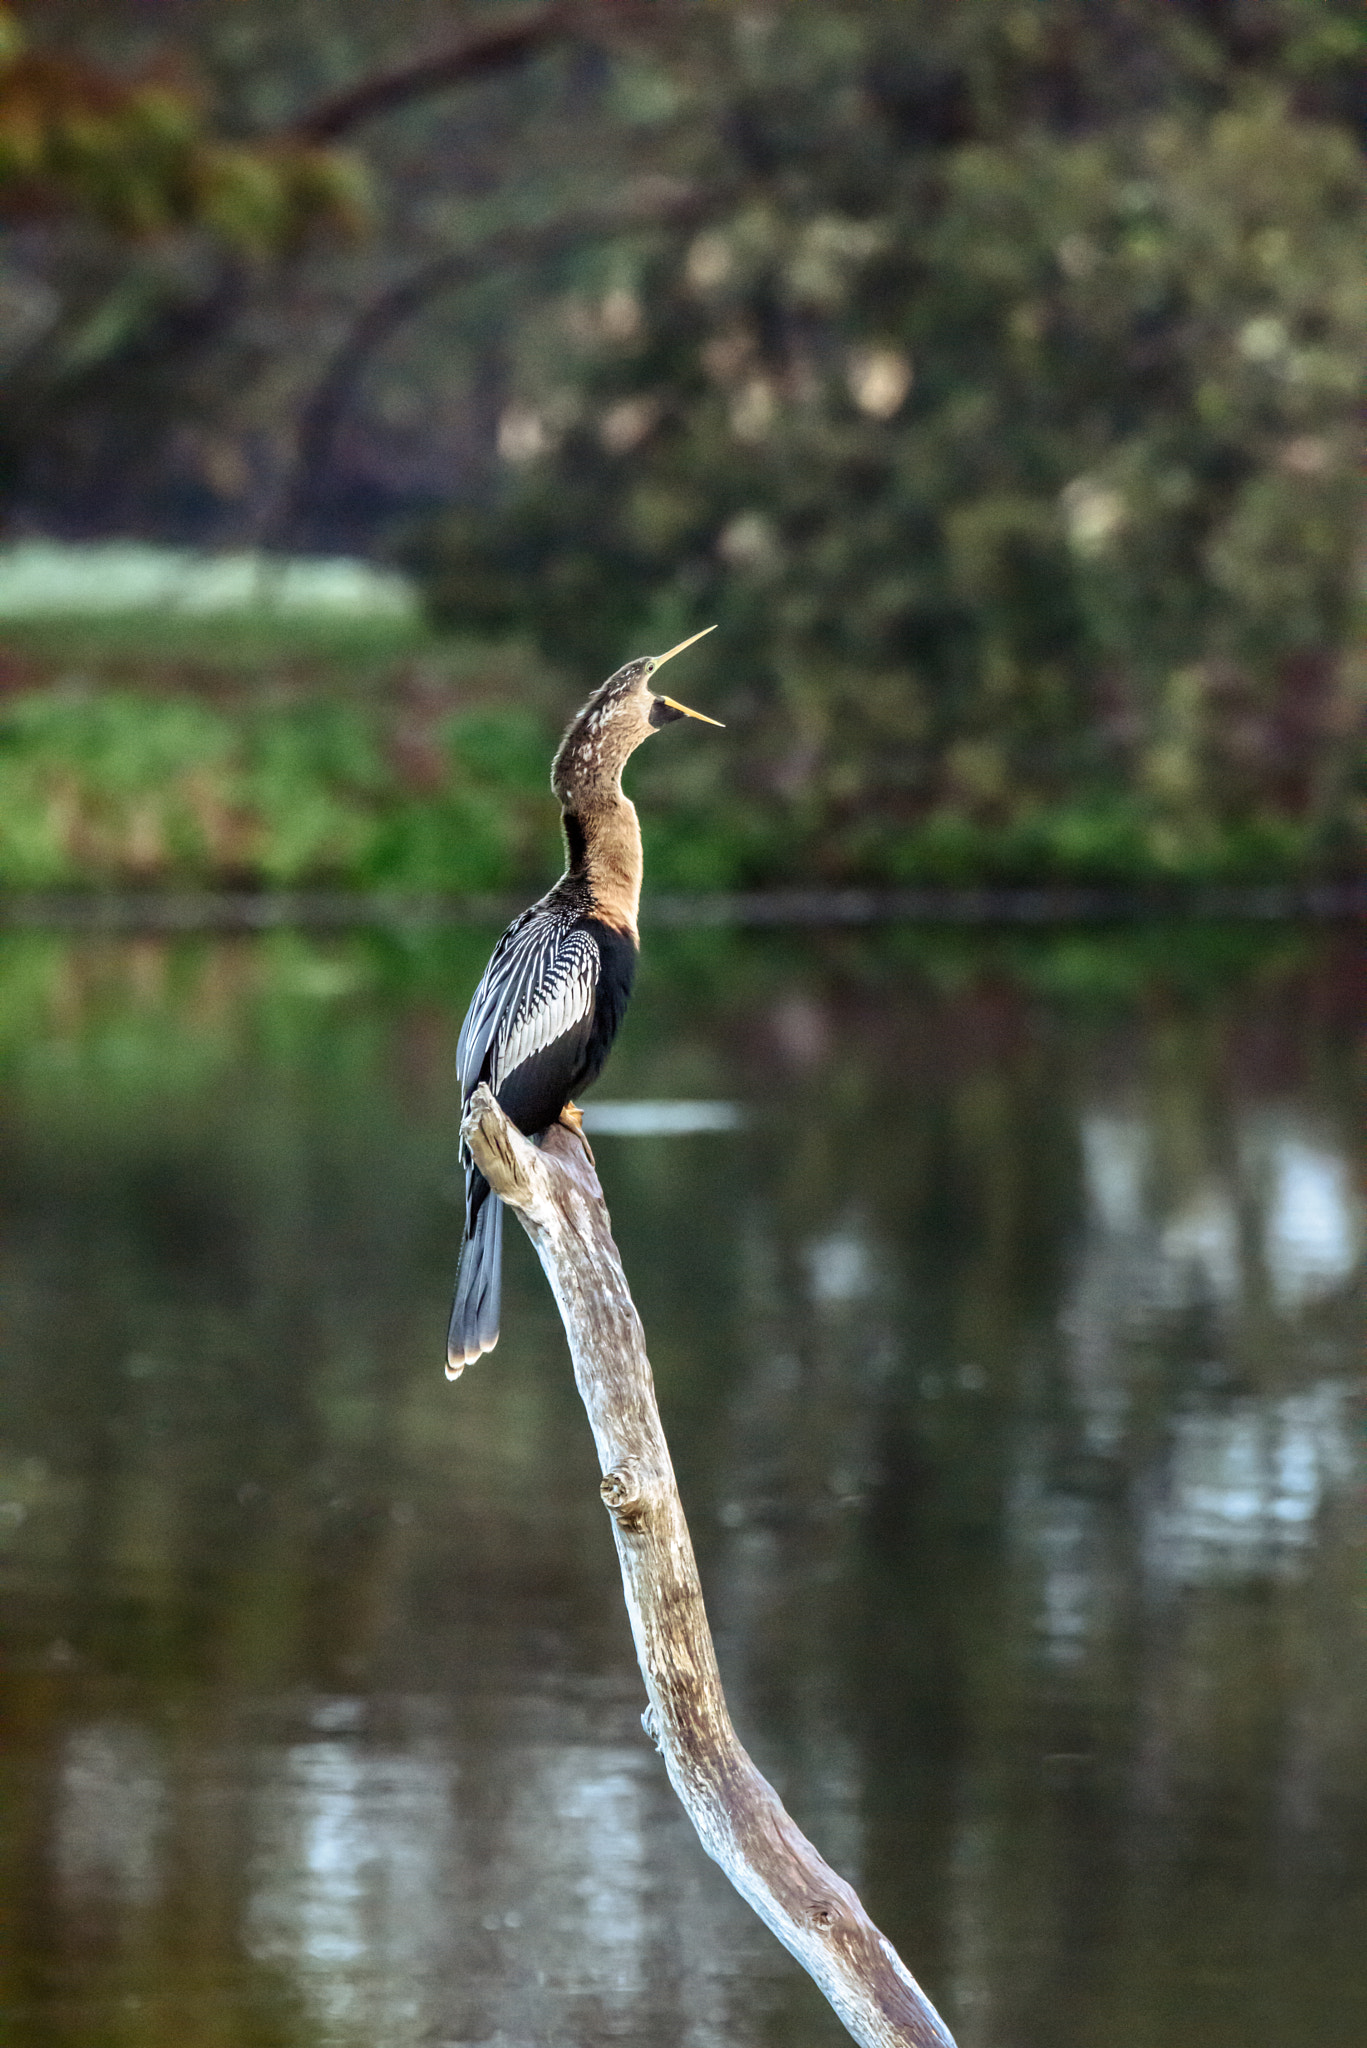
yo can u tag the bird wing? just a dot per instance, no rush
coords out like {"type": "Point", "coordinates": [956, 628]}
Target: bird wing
{"type": "Point", "coordinates": [486, 1004]}
{"type": "Point", "coordinates": [540, 986]}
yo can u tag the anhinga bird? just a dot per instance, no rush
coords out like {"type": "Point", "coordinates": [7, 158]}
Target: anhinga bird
{"type": "Point", "coordinates": [542, 1020]}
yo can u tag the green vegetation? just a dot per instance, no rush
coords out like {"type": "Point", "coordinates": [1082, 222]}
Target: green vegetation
{"type": "Point", "coordinates": [118, 772]}
{"type": "Point", "coordinates": [991, 375]}
{"type": "Point", "coordinates": [1004, 420]}
{"type": "Point", "coordinates": [430, 772]}
{"type": "Point", "coordinates": [139, 157]}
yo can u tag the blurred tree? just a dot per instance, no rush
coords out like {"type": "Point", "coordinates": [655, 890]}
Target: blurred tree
{"type": "Point", "coordinates": [1004, 412]}
{"type": "Point", "coordinates": [129, 220]}
{"type": "Point", "coordinates": [142, 159]}
{"type": "Point", "coordinates": [991, 372]}
{"type": "Point", "coordinates": [170, 292]}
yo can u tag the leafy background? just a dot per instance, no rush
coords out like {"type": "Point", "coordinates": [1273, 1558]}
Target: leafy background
{"type": "Point", "coordinates": [991, 375]}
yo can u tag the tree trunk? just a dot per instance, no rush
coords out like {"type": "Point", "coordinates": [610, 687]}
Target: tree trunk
{"type": "Point", "coordinates": [738, 1815]}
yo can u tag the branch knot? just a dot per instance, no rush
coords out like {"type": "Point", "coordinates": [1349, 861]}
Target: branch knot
{"type": "Point", "coordinates": [624, 1497]}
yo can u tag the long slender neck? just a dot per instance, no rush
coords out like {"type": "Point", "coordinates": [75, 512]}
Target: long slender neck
{"type": "Point", "coordinates": [602, 836]}
{"type": "Point", "coordinates": [603, 855]}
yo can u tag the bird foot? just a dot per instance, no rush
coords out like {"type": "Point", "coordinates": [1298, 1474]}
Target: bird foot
{"type": "Point", "coordinates": [573, 1120]}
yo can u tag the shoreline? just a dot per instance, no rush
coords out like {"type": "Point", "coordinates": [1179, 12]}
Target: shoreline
{"type": "Point", "coordinates": [172, 911]}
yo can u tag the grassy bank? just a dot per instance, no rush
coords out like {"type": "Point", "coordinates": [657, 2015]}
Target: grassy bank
{"type": "Point", "coordinates": [189, 752]}
{"type": "Point", "coordinates": [247, 753]}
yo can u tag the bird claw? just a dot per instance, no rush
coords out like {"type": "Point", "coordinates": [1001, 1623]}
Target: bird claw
{"type": "Point", "coordinates": [573, 1120]}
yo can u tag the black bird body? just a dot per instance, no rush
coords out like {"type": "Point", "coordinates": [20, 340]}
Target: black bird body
{"type": "Point", "coordinates": [552, 998]}
{"type": "Point", "coordinates": [544, 1017]}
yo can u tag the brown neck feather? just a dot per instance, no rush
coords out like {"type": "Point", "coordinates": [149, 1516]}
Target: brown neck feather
{"type": "Point", "coordinates": [602, 836]}
{"type": "Point", "coordinates": [603, 845]}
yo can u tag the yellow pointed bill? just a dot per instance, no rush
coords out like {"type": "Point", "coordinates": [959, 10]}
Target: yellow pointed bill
{"type": "Point", "coordinates": [661, 659]}
{"type": "Point", "coordinates": [675, 705]}
{"type": "Point", "coordinates": [673, 702]}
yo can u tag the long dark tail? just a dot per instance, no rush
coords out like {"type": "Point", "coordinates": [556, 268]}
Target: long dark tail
{"type": "Point", "coordinates": [479, 1290]}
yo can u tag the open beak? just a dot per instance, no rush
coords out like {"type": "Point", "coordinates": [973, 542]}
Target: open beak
{"type": "Point", "coordinates": [661, 659]}
{"type": "Point", "coordinates": [682, 710]}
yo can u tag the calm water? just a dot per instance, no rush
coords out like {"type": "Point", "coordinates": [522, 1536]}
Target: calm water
{"type": "Point", "coordinates": [1011, 1349]}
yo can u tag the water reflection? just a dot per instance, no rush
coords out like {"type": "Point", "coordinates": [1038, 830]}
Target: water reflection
{"type": "Point", "coordinates": [1007, 1311]}
{"type": "Point", "coordinates": [1242, 1477]}
{"type": "Point", "coordinates": [1242, 1488]}
{"type": "Point", "coordinates": [111, 1800]}
{"type": "Point", "coordinates": [661, 1119]}
{"type": "Point", "coordinates": [1313, 1233]}
{"type": "Point", "coordinates": [352, 1877]}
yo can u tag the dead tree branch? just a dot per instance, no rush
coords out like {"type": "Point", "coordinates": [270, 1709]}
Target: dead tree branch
{"type": "Point", "coordinates": [739, 1818]}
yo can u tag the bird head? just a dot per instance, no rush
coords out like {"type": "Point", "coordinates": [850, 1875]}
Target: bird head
{"type": "Point", "coordinates": [620, 714]}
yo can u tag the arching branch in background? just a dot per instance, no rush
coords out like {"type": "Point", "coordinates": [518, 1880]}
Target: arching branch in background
{"type": "Point", "coordinates": [738, 1815]}
{"type": "Point", "coordinates": [500, 44]}
{"type": "Point", "coordinates": [653, 203]}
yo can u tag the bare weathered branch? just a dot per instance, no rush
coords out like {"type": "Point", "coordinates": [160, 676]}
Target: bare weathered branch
{"type": "Point", "coordinates": [738, 1815]}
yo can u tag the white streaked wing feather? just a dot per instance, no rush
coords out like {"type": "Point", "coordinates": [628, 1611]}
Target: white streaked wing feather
{"type": "Point", "coordinates": [482, 1015]}
{"type": "Point", "coordinates": [499, 992]}
{"type": "Point", "coordinates": [540, 983]}
{"type": "Point", "coordinates": [560, 996]}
